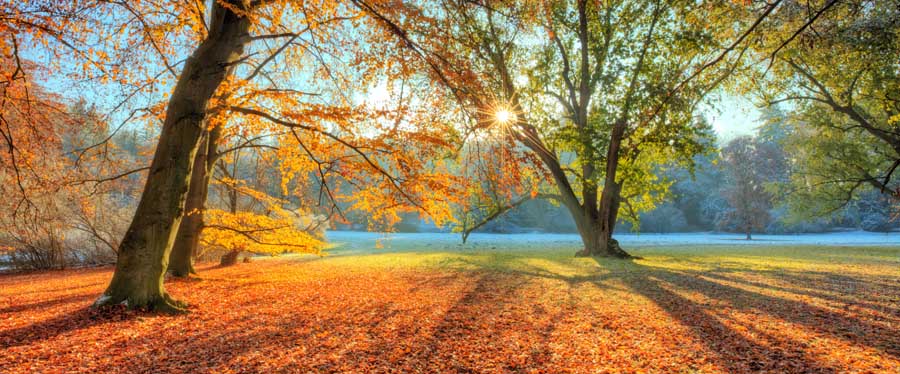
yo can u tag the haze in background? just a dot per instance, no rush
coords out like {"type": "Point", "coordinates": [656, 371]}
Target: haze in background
{"type": "Point", "coordinates": [732, 117]}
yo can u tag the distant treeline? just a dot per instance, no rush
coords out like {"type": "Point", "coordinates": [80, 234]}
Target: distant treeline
{"type": "Point", "coordinates": [743, 187]}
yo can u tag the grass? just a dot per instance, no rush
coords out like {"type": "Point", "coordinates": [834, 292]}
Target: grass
{"type": "Point", "coordinates": [432, 307]}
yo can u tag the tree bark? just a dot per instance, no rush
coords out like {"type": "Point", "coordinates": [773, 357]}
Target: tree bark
{"type": "Point", "coordinates": [187, 241]}
{"type": "Point", "coordinates": [609, 197]}
{"type": "Point", "coordinates": [143, 255]}
{"type": "Point", "coordinates": [589, 230]}
{"type": "Point", "coordinates": [230, 258]}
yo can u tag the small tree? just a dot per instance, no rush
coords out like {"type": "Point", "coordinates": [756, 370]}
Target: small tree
{"type": "Point", "coordinates": [750, 164]}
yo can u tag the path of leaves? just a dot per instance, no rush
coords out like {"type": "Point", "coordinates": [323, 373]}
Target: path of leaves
{"type": "Point", "coordinates": [288, 316]}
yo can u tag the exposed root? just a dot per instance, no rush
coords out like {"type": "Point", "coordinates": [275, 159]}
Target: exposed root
{"type": "Point", "coordinates": [169, 306]}
{"type": "Point", "coordinates": [164, 304]}
{"type": "Point", "coordinates": [613, 250]}
{"type": "Point", "coordinates": [182, 273]}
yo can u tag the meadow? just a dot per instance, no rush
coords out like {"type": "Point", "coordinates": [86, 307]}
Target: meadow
{"type": "Point", "coordinates": [395, 305]}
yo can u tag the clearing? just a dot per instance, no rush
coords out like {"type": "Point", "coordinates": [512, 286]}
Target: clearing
{"type": "Point", "coordinates": [421, 306]}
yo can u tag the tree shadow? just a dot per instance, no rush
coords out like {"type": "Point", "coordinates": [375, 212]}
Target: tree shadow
{"type": "Point", "coordinates": [512, 267]}
{"type": "Point", "coordinates": [836, 288]}
{"type": "Point", "coordinates": [809, 285]}
{"type": "Point", "coordinates": [47, 303]}
{"type": "Point", "coordinates": [62, 324]}
{"type": "Point", "coordinates": [483, 326]}
{"type": "Point", "coordinates": [737, 352]}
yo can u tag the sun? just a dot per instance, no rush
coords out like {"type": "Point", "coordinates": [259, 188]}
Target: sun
{"type": "Point", "coordinates": [504, 116]}
{"type": "Point", "coordinates": [498, 119]}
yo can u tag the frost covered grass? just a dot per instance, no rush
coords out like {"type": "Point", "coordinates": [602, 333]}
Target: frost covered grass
{"type": "Point", "coordinates": [519, 306]}
{"type": "Point", "coordinates": [512, 252]}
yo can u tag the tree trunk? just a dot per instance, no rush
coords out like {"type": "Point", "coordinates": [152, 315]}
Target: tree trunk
{"type": "Point", "coordinates": [187, 241]}
{"type": "Point", "coordinates": [610, 196]}
{"type": "Point", "coordinates": [589, 230]}
{"type": "Point", "coordinates": [230, 258]}
{"type": "Point", "coordinates": [143, 255]}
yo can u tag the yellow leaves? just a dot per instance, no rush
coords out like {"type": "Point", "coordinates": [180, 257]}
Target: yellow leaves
{"type": "Point", "coordinates": [279, 232]}
{"type": "Point", "coordinates": [894, 120]}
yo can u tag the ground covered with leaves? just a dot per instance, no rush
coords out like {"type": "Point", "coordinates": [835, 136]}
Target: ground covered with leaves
{"type": "Point", "coordinates": [677, 310]}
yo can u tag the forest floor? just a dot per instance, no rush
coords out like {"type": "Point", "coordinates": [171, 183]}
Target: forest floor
{"type": "Point", "coordinates": [700, 309]}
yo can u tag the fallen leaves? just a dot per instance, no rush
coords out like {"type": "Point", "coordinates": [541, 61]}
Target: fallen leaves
{"type": "Point", "coordinates": [285, 315]}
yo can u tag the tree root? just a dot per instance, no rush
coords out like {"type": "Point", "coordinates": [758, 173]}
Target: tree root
{"type": "Point", "coordinates": [179, 274]}
{"type": "Point", "coordinates": [164, 304]}
{"type": "Point", "coordinates": [613, 250]}
{"type": "Point", "coordinates": [170, 306]}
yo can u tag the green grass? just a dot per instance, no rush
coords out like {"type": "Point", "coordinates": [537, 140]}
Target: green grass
{"type": "Point", "coordinates": [559, 260]}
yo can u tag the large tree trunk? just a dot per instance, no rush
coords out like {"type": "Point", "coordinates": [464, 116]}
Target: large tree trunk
{"type": "Point", "coordinates": [593, 224]}
{"type": "Point", "coordinates": [589, 230]}
{"type": "Point", "coordinates": [187, 241]}
{"type": "Point", "coordinates": [609, 197]}
{"type": "Point", "coordinates": [143, 255]}
{"type": "Point", "coordinates": [181, 263]}
{"type": "Point", "coordinates": [596, 237]}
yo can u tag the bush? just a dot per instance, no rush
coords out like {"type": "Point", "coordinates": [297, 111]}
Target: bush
{"type": "Point", "coordinates": [56, 231]}
{"type": "Point", "coordinates": [877, 222]}
{"type": "Point", "coordinates": [780, 224]}
{"type": "Point", "coordinates": [33, 247]}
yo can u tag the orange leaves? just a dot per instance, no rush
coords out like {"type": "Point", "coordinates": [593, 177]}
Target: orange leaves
{"type": "Point", "coordinates": [290, 97]}
{"type": "Point", "coordinates": [34, 125]}
{"type": "Point", "coordinates": [334, 315]}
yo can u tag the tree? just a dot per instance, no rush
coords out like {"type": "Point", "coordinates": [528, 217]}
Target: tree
{"type": "Point", "coordinates": [750, 164]}
{"type": "Point", "coordinates": [144, 252]}
{"type": "Point", "coordinates": [841, 77]}
{"type": "Point", "coordinates": [187, 239]}
{"type": "Point", "coordinates": [250, 219]}
{"type": "Point", "coordinates": [233, 74]}
{"type": "Point", "coordinates": [594, 94]}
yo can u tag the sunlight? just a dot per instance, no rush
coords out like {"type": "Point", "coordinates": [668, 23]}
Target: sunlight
{"type": "Point", "coordinates": [505, 116]}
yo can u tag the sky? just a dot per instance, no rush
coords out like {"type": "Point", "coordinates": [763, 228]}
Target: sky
{"type": "Point", "coordinates": [732, 117]}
